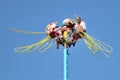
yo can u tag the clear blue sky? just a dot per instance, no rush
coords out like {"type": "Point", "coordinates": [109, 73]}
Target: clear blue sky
{"type": "Point", "coordinates": [103, 22]}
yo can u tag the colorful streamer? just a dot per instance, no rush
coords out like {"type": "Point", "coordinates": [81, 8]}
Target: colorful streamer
{"type": "Point", "coordinates": [95, 45]}
{"type": "Point", "coordinates": [25, 32]}
{"type": "Point", "coordinates": [33, 47]}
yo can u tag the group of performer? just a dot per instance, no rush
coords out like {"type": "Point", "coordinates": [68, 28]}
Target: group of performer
{"type": "Point", "coordinates": [68, 33]}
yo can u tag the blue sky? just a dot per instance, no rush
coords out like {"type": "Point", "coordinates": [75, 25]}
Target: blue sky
{"type": "Point", "coordinates": [102, 18]}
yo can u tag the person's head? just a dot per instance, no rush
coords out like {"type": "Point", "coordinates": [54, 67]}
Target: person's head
{"type": "Point", "coordinates": [51, 26]}
{"type": "Point", "coordinates": [78, 19]}
{"type": "Point", "coordinates": [68, 21]}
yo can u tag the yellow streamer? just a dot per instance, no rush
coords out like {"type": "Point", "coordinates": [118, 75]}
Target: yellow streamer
{"type": "Point", "coordinates": [47, 46]}
{"type": "Point", "coordinates": [25, 32]}
{"type": "Point", "coordinates": [95, 45]}
{"type": "Point", "coordinates": [32, 47]}
{"type": "Point", "coordinates": [65, 34]}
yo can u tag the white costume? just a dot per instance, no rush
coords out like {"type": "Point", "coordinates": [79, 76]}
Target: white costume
{"type": "Point", "coordinates": [82, 25]}
{"type": "Point", "coordinates": [50, 27]}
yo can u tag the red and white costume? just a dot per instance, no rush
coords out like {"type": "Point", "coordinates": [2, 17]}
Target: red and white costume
{"type": "Point", "coordinates": [52, 30]}
{"type": "Point", "coordinates": [81, 26]}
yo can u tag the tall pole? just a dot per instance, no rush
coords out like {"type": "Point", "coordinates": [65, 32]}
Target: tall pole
{"type": "Point", "coordinates": [65, 34]}
{"type": "Point", "coordinates": [65, 64]}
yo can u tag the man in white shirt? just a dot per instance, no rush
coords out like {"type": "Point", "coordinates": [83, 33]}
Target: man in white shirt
{"type": "Point", "coordinates": [80, 27]}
